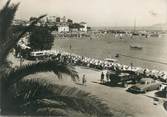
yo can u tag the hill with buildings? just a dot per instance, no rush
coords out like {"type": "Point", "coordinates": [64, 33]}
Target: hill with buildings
{"type": "Point", "coordinates": [60, 24]}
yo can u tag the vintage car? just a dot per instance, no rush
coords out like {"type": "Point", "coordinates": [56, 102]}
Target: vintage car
{"type": "Point", "coordinates": [145, 85]}
{"type": "Point", "coordinates": [122, 78]}
{"type": "Point", "coordinates": [163, 91]}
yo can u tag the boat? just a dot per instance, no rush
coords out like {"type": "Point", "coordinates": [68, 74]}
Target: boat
{"type": "Point", "coordinates": [117, 55]}
{"type": "Point", "coordinates": [136, 47]}
{"type": "Point", "coordinates": [110, 60]}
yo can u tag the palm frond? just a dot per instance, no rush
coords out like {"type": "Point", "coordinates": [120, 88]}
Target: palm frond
{"type": "Point", "coordinates": [5, 68]}
{"type": "Point", "coordinates": [43, 66]}
{"type": "Point", "coordinates": [15, 38]}
{"type": "Point", "coordinates": [7, 39]}
{"type": "Point", "coordinates": [32, 23]}
{"type": "Point", "coordinates": [52, 111]}
{"type": "Point", "coordinates": [6, 17]}
{"type": "Point", "coordinates": [7, 14]}
{"type": "Point", "coordinates": [61, 97]}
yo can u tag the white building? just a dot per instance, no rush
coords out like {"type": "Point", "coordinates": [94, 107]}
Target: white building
{"type": "Point", "coordinates": [84, 28]}
{"type": "Point", "coordinates": [51, 18]}
{"type": "Point", "coordinates": [19, 22]}
{"type": "Point", "coordinates": [63, 19]}
{"type": "Point", "coordinates": [63, 28]}
{"type": "Point", "coordinates": [74, 30]}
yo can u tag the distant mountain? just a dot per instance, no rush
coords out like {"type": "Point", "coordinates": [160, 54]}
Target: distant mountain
{"type": "Point", "coordinates": [159, 26]}
{"type": "Point", "coordinates": [152, 27]}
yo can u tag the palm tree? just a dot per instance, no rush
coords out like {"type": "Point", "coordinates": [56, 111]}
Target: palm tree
{"type": "Point", "coordinates": [36, 96]}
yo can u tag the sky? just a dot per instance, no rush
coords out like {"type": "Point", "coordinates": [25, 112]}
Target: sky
{"type": "Point", "coordinates": [97, 12]}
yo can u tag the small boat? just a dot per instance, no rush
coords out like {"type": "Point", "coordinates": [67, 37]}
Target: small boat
{"type": "Point", "coordinates": [136, 47]}
{"type": "Point", "coordinates": [117, 55]}
{"type": "Point", "coordinates": [111, 60]}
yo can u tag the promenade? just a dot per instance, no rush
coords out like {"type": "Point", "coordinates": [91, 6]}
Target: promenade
{"type": "Point", "coordinates": [77, 60]}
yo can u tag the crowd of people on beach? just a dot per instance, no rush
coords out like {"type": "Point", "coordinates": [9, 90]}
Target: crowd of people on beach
{"type": "Point", "coordinates": [74, 59]}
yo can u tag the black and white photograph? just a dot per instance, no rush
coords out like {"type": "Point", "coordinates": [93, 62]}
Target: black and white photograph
{"type": "Point", "coordinates": [83, 58]}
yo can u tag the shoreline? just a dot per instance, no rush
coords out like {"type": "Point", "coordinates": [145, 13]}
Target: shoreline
{"type": "Point", "coordinates": [101, 64]}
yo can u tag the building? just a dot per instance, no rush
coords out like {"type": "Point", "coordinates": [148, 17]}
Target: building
{"type": "Point", "coordinates": [17, 22]}
{"type": "Point", "coordinates": [57, 19]}
{"type": "Point", "coordinates": [51, 19]}
{"type": "Point", "coordinates": [69, 21]}
{"type": "Point", "coordinates": [63, 28]}
{"type": "Point", "coordinates": [83, 27]}
{"type": "Point", "coordinates": [74, 29]}
{"type": "Point", "coordinates": [63, 19]}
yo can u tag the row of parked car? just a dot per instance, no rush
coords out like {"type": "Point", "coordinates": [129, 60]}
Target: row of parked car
{"type": "Point", "coordinates": [139, 84]}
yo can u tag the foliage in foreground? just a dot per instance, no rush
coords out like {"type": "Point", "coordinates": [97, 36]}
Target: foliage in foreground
{"type": "Point", "coordinates": [47, 96]}
{"type": "Point", "coordinates": [41, 38]}
{"type": "Point", "coordinates": [30, 97]}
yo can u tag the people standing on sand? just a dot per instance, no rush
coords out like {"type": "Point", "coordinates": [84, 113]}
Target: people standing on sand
{"type": "Point", "coordinates": [144, 72]}
{"type": "Point", "coordinates": [102, 77]}
{"type": "Point", "coordinates": [84, 80]}
{"type": "Point", "coordinates": [107, 76]}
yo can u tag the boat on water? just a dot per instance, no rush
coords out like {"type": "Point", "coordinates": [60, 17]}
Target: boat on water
{"type": "Point", "coordinates": [136, 47]}
{"type": "Point", "coordinates": [111, 60]}
{"type": "Point", "coordinates": [134, 33]}
{"type": "Point", "coordinates": [117, 55]}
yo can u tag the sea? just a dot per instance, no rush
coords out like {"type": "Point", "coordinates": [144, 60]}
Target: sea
{"type": "Point", "coordinates": [153, 54]}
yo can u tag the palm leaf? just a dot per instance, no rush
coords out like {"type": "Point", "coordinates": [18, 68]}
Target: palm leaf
{"type": "Point", "coordinates": [29, 28]}
{"type": "Point", "coordinates": [49, 98]}
{"type": "Point", "coordinates": [10, 43]}
{"type": "Point", "coordinates": [7, 39]}
{"type": "Point", "coordinates": [44, 94]}
{"type": "Point", "coordinates": [7, 14]}
{"type": "Point", "coordinates": [43, 66]}
{"type": "Point", "coordinates": [6, 17]}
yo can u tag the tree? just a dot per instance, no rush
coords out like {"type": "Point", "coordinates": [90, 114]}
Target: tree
{"type": "Point", "coordinates": [89, 28]}
{"type": "Point", "coordinates": [69, 21]}
{"type": "Point", "coordinates": [76, 25]}
{"type": "Point", "coordinates": [38, 97]}
{"type": "Point", "coordinates": [41, 38]}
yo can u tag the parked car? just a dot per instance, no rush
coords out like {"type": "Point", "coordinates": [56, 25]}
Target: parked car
{"type": "Point", "coordinates": [123, 78]}
{"type": "Point", "coordinates": [145, 85]}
